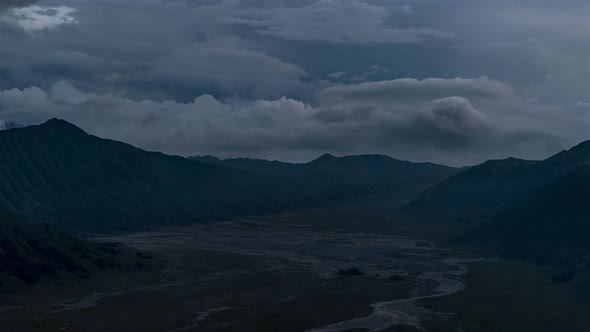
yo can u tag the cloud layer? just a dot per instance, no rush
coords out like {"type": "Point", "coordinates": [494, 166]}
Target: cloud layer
{"type": "Point", "coordinates": [435, 122]}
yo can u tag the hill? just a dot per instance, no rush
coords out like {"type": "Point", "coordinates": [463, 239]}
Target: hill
{"type": "Point", "coordinates": [56, 172]}
{"type": "Point", "coordinates": [482, 191]}
{"type": "Point", "coordinates": [551, 226]}
{"type": "Point", "coordinates": [531, 210]}
{"type": "Point", "coordinates": [30, 251]}
{"type": "Point", "coordinates": [349, 175]}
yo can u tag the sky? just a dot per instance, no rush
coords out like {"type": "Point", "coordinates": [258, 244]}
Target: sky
{"type": "Point", "coordinates": [448, 81]}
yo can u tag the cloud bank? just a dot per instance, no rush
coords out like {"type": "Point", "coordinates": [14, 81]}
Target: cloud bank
{"type": "Point", "coordinates": [446, 124]}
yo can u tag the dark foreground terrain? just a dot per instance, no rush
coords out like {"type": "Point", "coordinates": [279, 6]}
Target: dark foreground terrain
{"type": "Point", "coordinates": [297, 272]}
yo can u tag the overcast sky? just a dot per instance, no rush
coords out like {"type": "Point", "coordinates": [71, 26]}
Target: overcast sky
{"type": "Point", "coordinates": [448, 81]}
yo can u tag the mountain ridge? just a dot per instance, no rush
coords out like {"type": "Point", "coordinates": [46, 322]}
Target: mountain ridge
{"type": "Point", "coordinates": [379, 173]}
{"type": "Point", "coordinates": [58, 173]}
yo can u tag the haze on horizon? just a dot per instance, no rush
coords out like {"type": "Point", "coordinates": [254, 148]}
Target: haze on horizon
{"type": "Point", "coordinates": [454, 82]}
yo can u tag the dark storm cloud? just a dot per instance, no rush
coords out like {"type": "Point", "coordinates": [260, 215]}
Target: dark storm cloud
{"type": "Point", "coordinates": [174, 57]}
{"type": "Point", "coordinates": [331, 21]}
{"type": "Point", "coordinates": [5, 4]}
{"type": "Point", "coordinates": [252, 73]}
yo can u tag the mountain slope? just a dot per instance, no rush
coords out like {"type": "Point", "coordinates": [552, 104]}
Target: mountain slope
{"type": "Point", "coordinates": [494, 186]}
{"type": "Point", "coordinates": [57, 172]}
{"type": "Point", "coordinates": [551, 226]}
{"type": "Point", "coordinates": [29, 251]}
{"type": "Point", "coordinates": [531, 210]}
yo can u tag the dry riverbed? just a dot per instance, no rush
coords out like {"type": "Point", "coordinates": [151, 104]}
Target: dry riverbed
{"type": "Point", "coordinates": [260, 274]}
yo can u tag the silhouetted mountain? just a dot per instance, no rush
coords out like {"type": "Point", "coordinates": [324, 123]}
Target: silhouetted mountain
{"type": "Point", "coordinates": [532, 210]}
{"type": "Point", "coordinates": [350, 175]}
{"type": "Point", "coordinates": [56, 172]}
{"type": "Point", "coordinates": [484, 190]}
{"type": "Point", "coordinates": [29, 251]}
{"type": "Point", "coordinates": [551, 226]}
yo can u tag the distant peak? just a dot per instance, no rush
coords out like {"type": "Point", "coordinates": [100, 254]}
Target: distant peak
{"type": "Point", "coordinates": [60, 125]}
{"type": "Point", "coordinates": [56, 122]}
{"type": "Point", "coordinates": [585, 145]}
{"type": "Point", "coordinates": [325, 157]}
{"type": "Point", "coordinates": [579, 152]}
